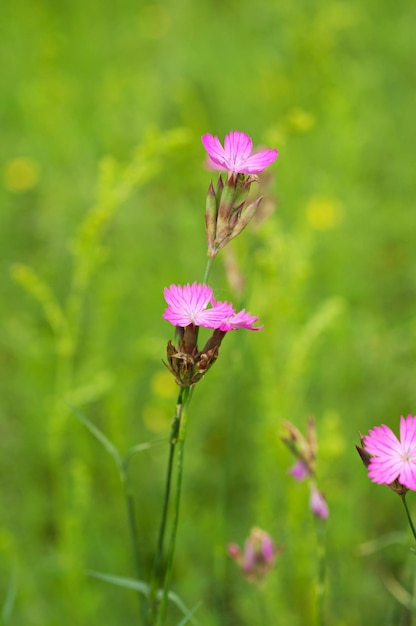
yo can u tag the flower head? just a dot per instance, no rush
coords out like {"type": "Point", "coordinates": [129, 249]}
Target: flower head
{"type": "Point", "coordinates": [188, 305]}
{"type": "Point", "coordinates": [236, 155]}
{"type": "Point", "coordinates": [258, 556]}
{"type": "Point", "coordinates": [392, 459]}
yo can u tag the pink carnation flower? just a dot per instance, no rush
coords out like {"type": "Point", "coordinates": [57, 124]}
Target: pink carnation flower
{"type": "Point", "coordinates": [188, 305]}
{"type": "Point", "coordinates": [236, 155]}
{"type": "Point", "coordinates": [393, 458]}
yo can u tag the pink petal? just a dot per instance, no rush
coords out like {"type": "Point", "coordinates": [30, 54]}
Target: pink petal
{"type": "Point", "coordinates": [384, 471]}
{"type": "Point", "coordinates": [235, 156]}
{"type": "Point", "coordinates": [214, 317]}
{"type": "Point", "coordinates": [408, 431]}
{"type": "Point", "coordinates": [381, 440]}
{"type": "Point", "coordinates": [215, 151]}
{"type": "Point", "coordinates": [237, 146]}
{"type": "Point", "coordinates": [318, 504]}
{"type": "Point", "coordinates": [299, 471]}
{"type": "Point", "coordinates": [186, 305]}
{"type": "Point", "coordinates": [258, 162]}
{"type": "Point", "coordinates": [268, 551]}
{"type": "Point", "coordinates": [249, 556]}
{"type": "Point", "coordinates": [407, 476]}
{"type": "Point", "coordinates": [240, 320]}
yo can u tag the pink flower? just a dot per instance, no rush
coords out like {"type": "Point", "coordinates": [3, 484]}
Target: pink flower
{"type": "Point", "coordinates": [317, 503]}
{"type": "Point", "coordinates": [300, 470]}
{"type": "Point", "coordinates": [258, 557]}
{"type": "Point", "coordinates": [188, 305]}
{"type": "Point", "coordinates": [238, 320]}
{"type": "Point", "coordinates": [392, 458]}
{"type": "Point", "coordinates": [236, 155]}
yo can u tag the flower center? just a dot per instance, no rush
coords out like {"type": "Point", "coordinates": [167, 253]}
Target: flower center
{"type": "Point", "coordinates": [409, 454]}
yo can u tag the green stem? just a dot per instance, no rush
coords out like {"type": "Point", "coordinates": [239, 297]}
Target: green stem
{"type": "Point", "coordinates": [408, 515]}
{"type": "Point", "coordinates": [172, 543]}
{"type": "Point", "coordinates": [320, 527]}
{"type": "Point", "coordinates": [157, 567]}
{"type": "Point", "coordinates": [208, 270]}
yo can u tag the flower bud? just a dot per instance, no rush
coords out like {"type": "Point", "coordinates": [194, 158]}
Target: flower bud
{"type": "Point", "coordinates": [318, 504]}
{"type": "Point", "coordinates": [226, 215]}
{"type": "Point", "coordinates": [304, 449]}
{"type": "Point", "coordinates": [258, 557]}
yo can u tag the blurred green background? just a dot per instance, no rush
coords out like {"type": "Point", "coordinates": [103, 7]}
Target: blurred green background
{"type": "Point", "coordinates": [102, 205]}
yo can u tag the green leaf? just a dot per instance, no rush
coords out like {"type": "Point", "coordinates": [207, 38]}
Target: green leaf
{"type": "Point", "coordinates": [188, 617]}
{"type": "Point", "coordinates": [105, 442]}
{"type": "Point", "coordinates": [142, 587]}
{"type": "Point", "coordinates": [141, 447]}
{"type": "Point", "coordinates": [121, 581]}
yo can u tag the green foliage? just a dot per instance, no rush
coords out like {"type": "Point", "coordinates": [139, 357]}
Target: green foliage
{"type": "Point", "coordinates": [103, 198]}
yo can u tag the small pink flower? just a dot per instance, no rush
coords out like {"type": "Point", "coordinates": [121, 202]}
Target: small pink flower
{"type": "Point", "coordinates": [258, 557]}
{"type": "Point", "coordinates": [392, 458]}
{"type": "Point", "coordinates": [236, 155]}
{"type": "Point", "coordinates": [188, 305]}
{"type": "Point", "coordinates": [300, 470]}
{"type": "Point", "coordinates": [318, 504]}
{"type": "Point", "coordinates": [242, 319]}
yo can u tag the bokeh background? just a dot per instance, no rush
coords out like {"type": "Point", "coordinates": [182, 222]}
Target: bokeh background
{"type": "Point", "coordinates": [102, 197]}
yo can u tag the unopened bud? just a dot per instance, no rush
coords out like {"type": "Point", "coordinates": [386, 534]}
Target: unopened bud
{"type": "Point", "coordinates": [211, 212]}
{"type": "Point", "coordinates": [318, 504]}
{"type": "Point", "coordinates": [225, 207]}
{"type": "Point", "coordinates": [304, 449]}
{"type": "Point", "coordinates": [258, 557]}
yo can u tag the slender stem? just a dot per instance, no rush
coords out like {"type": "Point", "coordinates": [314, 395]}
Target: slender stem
{"type": "Point", "coordinates": [157, 567]}
{"type": "Point", "coordinates": [172, 543]}
{"type": "Point", "coordinates": [320, 527]}
{"type": "Point", "coordinates": [208, 269]}
{"type": "Point", "coordinates": [408, 516]}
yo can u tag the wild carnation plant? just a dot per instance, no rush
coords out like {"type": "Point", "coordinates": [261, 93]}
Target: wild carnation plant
{"type": "Point", "coordinates": [189, 308]}
{"type": "Point", "coordinates": [231, 202]}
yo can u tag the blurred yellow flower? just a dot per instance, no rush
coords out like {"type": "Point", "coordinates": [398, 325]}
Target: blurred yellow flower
{"type": "Point", "coordinates": [21, 174]}
{"type": "Point", "coordinates": [163, 385]}
{"type": "Point", "coordinates": [156, 419]}
{"type": "Point", "coordinates": [324, 213]}
{"type": "Point", "coordinates": [300, 121]}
